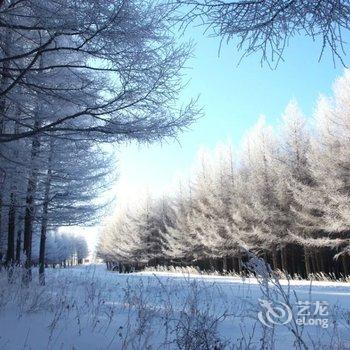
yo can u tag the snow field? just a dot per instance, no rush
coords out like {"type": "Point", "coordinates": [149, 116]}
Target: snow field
{"type": "Point", "coordinates": [90, 308]}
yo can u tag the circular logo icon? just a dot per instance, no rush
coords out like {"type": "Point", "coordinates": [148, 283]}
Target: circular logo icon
{"type": "Point", "coordinates": [274, 313]}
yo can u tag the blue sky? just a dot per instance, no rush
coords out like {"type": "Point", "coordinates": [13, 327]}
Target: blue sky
{"type": "Point", "coordinates": [233, 96]}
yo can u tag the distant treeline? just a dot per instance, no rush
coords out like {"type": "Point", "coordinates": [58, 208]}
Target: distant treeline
{"type": "Point", "coordinates": [284, 195]}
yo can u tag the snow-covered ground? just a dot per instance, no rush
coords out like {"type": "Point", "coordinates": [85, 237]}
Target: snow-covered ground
{"type": "Point", "coordinates": [90, 308]}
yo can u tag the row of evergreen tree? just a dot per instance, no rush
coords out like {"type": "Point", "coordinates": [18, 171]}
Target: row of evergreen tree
{"type": "Point", "coordinates": [62, 249]}
{"type": "Point", "coordinates": [285, 194]}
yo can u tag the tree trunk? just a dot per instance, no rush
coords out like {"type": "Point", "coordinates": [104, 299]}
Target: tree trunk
{"type": "Point", "coordinates": [5, 74]}
{"type": "Point", "coordinates": [224, 264]}
{"type": "Point", "coordinates": [10, 256]}
{"type": "Point", "coordinates": [44, 219]}
{"type": "Point", "coordinates": [31, 190]}
{"type": "Point", "coordinates": [1, 247]}
{"type": "Point", "coordinates": [313, 262]}
{"type": "Point", "coordinates": [42, 252]}
{"type": "Point", "coordinates": [4, 79]}
{"type": "Point", "coordinates": [30, 208]}
{"type": "Point", "coordinates": [345, 265]}
{"type": "Point", "coordinates": [240, 265]}
{"type": "Point", "coordinates": [320, 264]}
{"type": "Point", "coordinates": [307, 262]}
{"type": "Point", "coordinates": [274, 259]}
{"type": "Point", "coordinates": [284, 263]}
{"type": "Point", "coordinates": [236, 265]}
{"type": "Point", "coordinates": [212, 264]}
{"type": "Point", "coordinates": [299, 259]}
{"type": "Point", "coordinates": [18, 247]}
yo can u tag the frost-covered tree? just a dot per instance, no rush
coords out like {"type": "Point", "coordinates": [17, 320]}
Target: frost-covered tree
{"type": "Point", "coordinates": [75, 175]}
{"type": "Point", "coordinates": [75, 75]}
{"type": "Point", "coordinates": [138, 237]}
{"type": "Point", "coordinates": [324, 202]}
{"type": "Point", "coordinates": [212, 218]}
{"type": "Point", "coordinates": [62, 249]}
{"type": "Point", "coordinates": [118, 243]}
{"type": "Point", "coordinates": [258, 179]}
{"type": "Point", "coordinates": [180, 246]}
{"type": "Point", "coordinates": [285, 196]}
{"type": "Point", "coordinates": [124, 63]}
{"type": "Point", "coordinates": [294, 171]}
{"type": "Point", "coordinates": [268, 26]}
